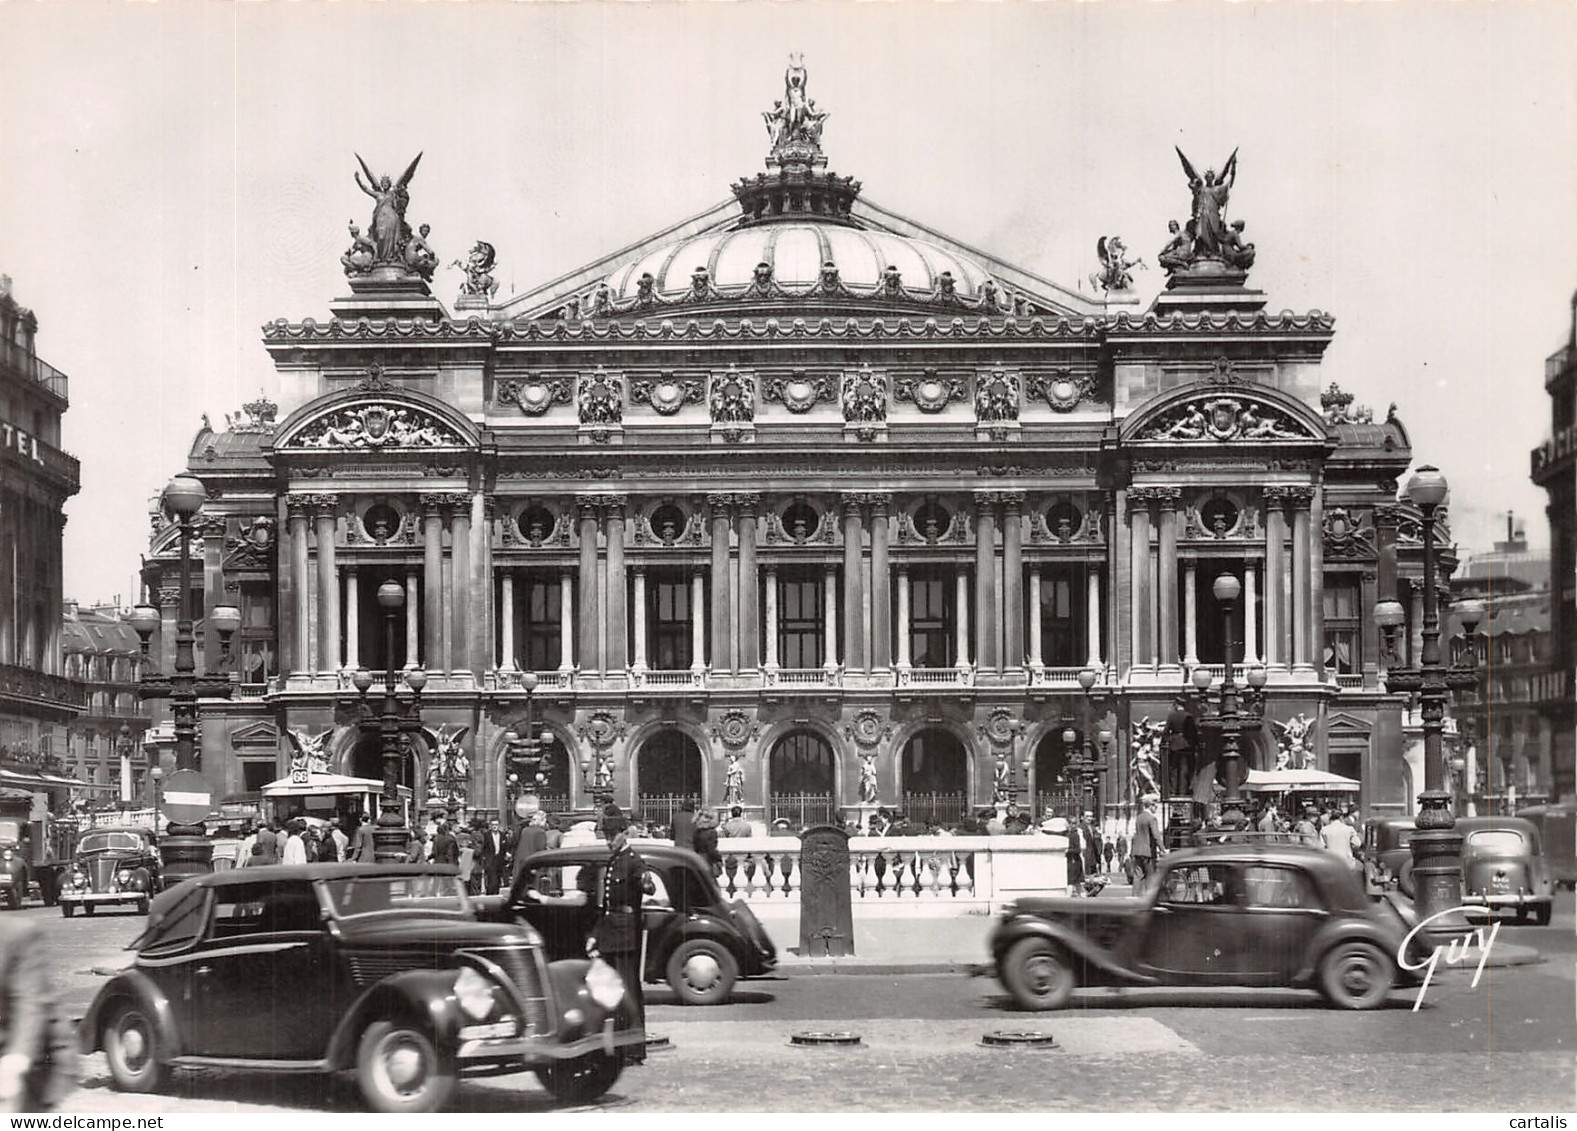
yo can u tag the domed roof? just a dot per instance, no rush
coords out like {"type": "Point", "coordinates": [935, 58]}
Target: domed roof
{"type": "Point", "coordinates": [796, 251]}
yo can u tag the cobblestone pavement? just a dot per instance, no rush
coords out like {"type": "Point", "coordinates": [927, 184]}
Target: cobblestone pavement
{"type": "Point", "coordinates": [1504, 1045]}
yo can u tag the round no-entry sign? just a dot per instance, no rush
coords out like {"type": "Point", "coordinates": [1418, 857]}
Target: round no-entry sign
{"type": "Point", "coordinates": [186, 797]}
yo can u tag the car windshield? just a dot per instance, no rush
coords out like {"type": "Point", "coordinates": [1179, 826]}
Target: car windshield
{"type": "Point", "coordinates": [381, 895]}
{"type": "Point", "coordinates": [110, 842]}
{"type": "Point", "coordinates": [1499, 841]}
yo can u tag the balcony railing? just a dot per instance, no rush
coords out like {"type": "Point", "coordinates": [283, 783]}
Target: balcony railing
{"type": "Point", "coordinates": [16, 358]}
{"type": "Point", "coordinates": [510, 680]}
{"type": "Point", "coordinates": [682, 678]}
{"type": "Point", "coordinates": [1555, 453]}
{"type": "Point", "coordinates": [935, 677]}
{"type": "Point", "coordinates": [28, 683]}
{"type": "Point", "coordinates": [803, 677]}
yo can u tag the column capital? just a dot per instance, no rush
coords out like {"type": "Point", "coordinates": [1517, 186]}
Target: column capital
{"type": "Point", "coordinates": [880, 502]}
{"type": "Point", "coordinates": [1168, 497]}
{"type": "Point", "coordinates": [211, 526]}
{"type": "Point", "coordinates": [169, 596]}
{"type": "Point", "coordinates": [852, 502]}
{"type": "Point", "coordinates": [1387, 514]}
{"type": "Point", "coordinates": [608, 502]}
{"type": "Point", "coordinates": [1300, 497]}
{"type": "Point", "coordinates": [1142, 497]}
{"type": "Point", "coordinates": [748, 502]}
{"type": "Point", "coordinates": [719, 502]}
{"type": "Point", "coordinates": [432, 502]}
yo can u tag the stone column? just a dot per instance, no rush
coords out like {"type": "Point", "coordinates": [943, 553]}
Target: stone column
{"type": "Point", "coordinates": [506, 618]}
{"type": "Point", "coordinates": [566, 623]}
{"type": "Point", "coordinates": [464, 603]}
{"type": "Point", "coordinates": [1190, 614]}
{"type": "Point", "coordinates": [1139, 613]}
{"type": "Point", "coordinates": [639, 662]}
{"type": "Point", "coordinates": [1166, 560]}
{"type": "Point", "coordinates": [1011, 599]}
{"type": "Point", "coordinates": [961, 615]}
{"type": "Point", "coordinates": [1302, 578]}
{"type": "Point", "coordinates": [1369, 596]}
{"type": "Point", "coordinates": [618, 633]}
{"type": "Point", "coordinates": [588, 626]}
{"type": "Point", "coordinates": [719, 504]}
{"type": "Point", "coordinates": [1275, 569]}
{"type": "Point", "coordinates": [697, 621]}
{"type": "Point", "coordinates": [903, 619]}
{"type": "Point", "coordinates": [1250, 613]}
{"type": "Point", "coordinates": [985, 580]}
{"type": "Point", "coordinates": [1034, 619]}
{"type": "Point", "coordinates": [881, 581]}
{"type": "Point", "coordinates": [352, 620]}
{"type": "Point", "coordinates": [328, 584]}
{"type": "Point", "coordinates": [829, 616]}
{"type": "Point", "coordinates": [413, 621]}
{"type": "Point", "coordinates": [749, 504]}
{"type": "Point", "coordinates": [1414, 627]}
{"type": "Point", "coordinates": [853, 589]}
{"type": "Point", "coordinates": [772, 619]}
{"type": "Point", "coordinates": [432, 580]}
{"type": "Point", "coordinates": [1092, 612]}
{"type": "Point", "coordinates": [484, 610]}
{"type": "Point", "coordinates": [301, 648]}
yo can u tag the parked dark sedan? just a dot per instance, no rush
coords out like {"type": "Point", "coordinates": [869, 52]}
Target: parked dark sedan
{"type": "Point", "coordinates": [383, 970]}
{"type": "Point", "coordinates": [1223, 915]}
{"type": "Point", "coordinates": [1503, 867]}
{"type": "Point", "coordinates": [696, 941]}
{"type": "Point", "coordinates": [116, 864]}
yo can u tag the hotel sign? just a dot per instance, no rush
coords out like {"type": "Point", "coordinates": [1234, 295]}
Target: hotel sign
{"type": "Point", "coordinates": [13, 438]}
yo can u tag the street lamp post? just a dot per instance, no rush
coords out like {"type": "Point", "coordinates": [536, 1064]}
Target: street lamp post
{"type": "Point", "coordinates": [123, 748]}
{"type": "Point", "coordinates": [596, 774]}
{"type": "Point", "coordinates": [1470, 612]}
{"type": "Point", "coordinates": [1231, 714]}
{"type": "Point", "coordinates": [397, 719]}
{"type": "Point", "coordinates": [1436, 847]}
{"type": "Point", "coordinates": [186, 851]}
{"type": "Point", "coordinates": [157, 775]}
{"type": "Point", "coordinates": [1089, 766]}
{"type": "Point", "coordinates": [524, 758]}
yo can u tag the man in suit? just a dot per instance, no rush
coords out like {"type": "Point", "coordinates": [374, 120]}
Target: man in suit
{"type": "Point", "coordinates": [532, 837]}
{"type": "Point", "coordinates": [1092, 845]}
{"type": "Point", "coordinates": [1146, 847]}
{"type": "Point", "coordinates": [494, 852]}
{"type": "Point", "coordinates": [684, 825]}
{"type": "Point", "coordinates": [446, 850]}
{"type": "Point", "coordinates": [362, 848]}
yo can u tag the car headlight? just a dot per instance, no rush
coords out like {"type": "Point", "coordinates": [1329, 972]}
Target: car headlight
{"type": "Point", "coordinates": [474, 993]}
{"type": "Point", "coordinates": [122, 876]}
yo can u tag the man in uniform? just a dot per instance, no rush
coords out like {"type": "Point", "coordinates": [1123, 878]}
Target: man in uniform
{"type": "Point", "coordinates": [618, 935]}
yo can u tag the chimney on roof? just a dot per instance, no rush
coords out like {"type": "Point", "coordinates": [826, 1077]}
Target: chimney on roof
{"type": "Point", "coordinates": [5, 286]}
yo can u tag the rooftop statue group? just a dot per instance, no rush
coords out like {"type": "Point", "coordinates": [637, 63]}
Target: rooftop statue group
{"type": "Point", "coordinates": [794, 124]}
{"type": "Point", "coordinates": [1207, 235]}
{"type": "Point", "coordinates": [389, 241]}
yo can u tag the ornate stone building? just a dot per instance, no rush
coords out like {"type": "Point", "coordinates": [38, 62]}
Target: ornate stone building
{"type": "Point", "coordinates": [1555, 470]}
{"type": "Point", "coordinates": [801, 504]}
{"type": "Point", "coordinates": [37, 701]}
{"type": "Point", "coordinates": [104, 655]}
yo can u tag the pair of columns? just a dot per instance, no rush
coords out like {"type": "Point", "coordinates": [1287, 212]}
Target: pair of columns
{"type": "Point", "coordinates": [451, 625]}
{"type": "Point", "coordinates": [1289, 601]}
{"type": "Point", "coordinates": [735, 609]}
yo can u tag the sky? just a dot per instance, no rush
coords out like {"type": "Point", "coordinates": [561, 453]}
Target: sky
{"type": "Point", "coordinates": [177, 174]}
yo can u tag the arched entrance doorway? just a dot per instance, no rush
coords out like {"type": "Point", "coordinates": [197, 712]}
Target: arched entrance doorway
{"type": "Point", "coordinates": [935, 778]}
{"type": "Point", "coordinates": [802, 775]}
{"type": "Point", "coordinates": [366, 761]}
{"type": "Point", "coordinates": [553, 790]}
{"type": "Point", "coordinates": [667, 770]}
{"type": "Point", "coordinates": [1056, 790]}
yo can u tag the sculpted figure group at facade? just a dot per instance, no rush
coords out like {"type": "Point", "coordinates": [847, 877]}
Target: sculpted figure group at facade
{"type": "Point", "coordinates": [389, 241]}
{"type": "Point", "coordinates": [1207, 235]}
{"type": "Point", "coordinates": [794, 124]}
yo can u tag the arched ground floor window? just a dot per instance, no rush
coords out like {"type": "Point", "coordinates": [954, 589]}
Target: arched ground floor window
{"type": "Point", "coordinates": [802, 776]}
{"type": "Point", "coordinates": [934, 774]}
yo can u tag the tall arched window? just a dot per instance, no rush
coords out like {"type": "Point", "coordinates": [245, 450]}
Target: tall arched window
{"type": "Point", "coordinates": [667, 771]}
{"type": "Point", "coordinates": [802, 775]}
{"type": "Point", "coordinates": [935, 777]}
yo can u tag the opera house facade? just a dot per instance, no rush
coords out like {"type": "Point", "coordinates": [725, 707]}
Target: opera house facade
{"type": "Point", "coordinates": [803, 506]}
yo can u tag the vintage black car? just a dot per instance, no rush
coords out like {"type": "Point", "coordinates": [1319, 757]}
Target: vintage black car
{"type": "Point", "coordinates": [1223, 915]}
{"type": "Point", "coordinates": [380, 970]}
{"type": "Point", "coordinates": [115, 864]}
{"type": "Point", "coordinates": [696, 941]}
{"type": "Point", "coordinates": [1503, 867]}
{"type": "Point", "coordinates": [1387, 855]}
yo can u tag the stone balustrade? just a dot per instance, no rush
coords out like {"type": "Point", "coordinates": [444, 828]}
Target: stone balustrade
{"type": "Point", "coordinates": [903, 876]}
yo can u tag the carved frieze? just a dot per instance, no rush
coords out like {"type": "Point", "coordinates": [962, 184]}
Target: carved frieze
{"type": "Point", "coordinates": [801, 391]}
{"type": "Point", "coordinates": [1225, 419]}
{"type": "Point", "coordinates": [929, 391]}
{"type": "Point", "coordinates": [599, 398]}
{"type": "Point", "coordinates": [996, 395]}
{"type": "Point", "coordinates": [377, 427]}
{"type": "Point", "coordinates": [534, 395]}
{"type": "Point", "coordinates": [733, 397]}
{"type": "Point", "coordinates": [666, 393]}
{"type": "Point", "coordinates": [864, 396]}
{"type": "Point", "coordinates": [1062, 389]}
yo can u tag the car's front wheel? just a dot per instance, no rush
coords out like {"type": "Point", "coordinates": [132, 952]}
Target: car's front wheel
{"type": "Point", "coordinates": [400, 1069]}
{"type": "Point", "coordinates": [1038, 974]}
{"type": "Point", "coordinates": [68, 909]}
{"type": "Point", "coordinates": [581, 1080]}
{"type": "Point", "coordinates": [131, 1045]}
{"type": "Point", "coordinates": [142, 906]}
{"type": "Point", "coordinates": [702, 972]}
{"type": "Point", "coordinates": [1542, 913]}
{"type": "Point", "coordinates": [1357, 975]}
